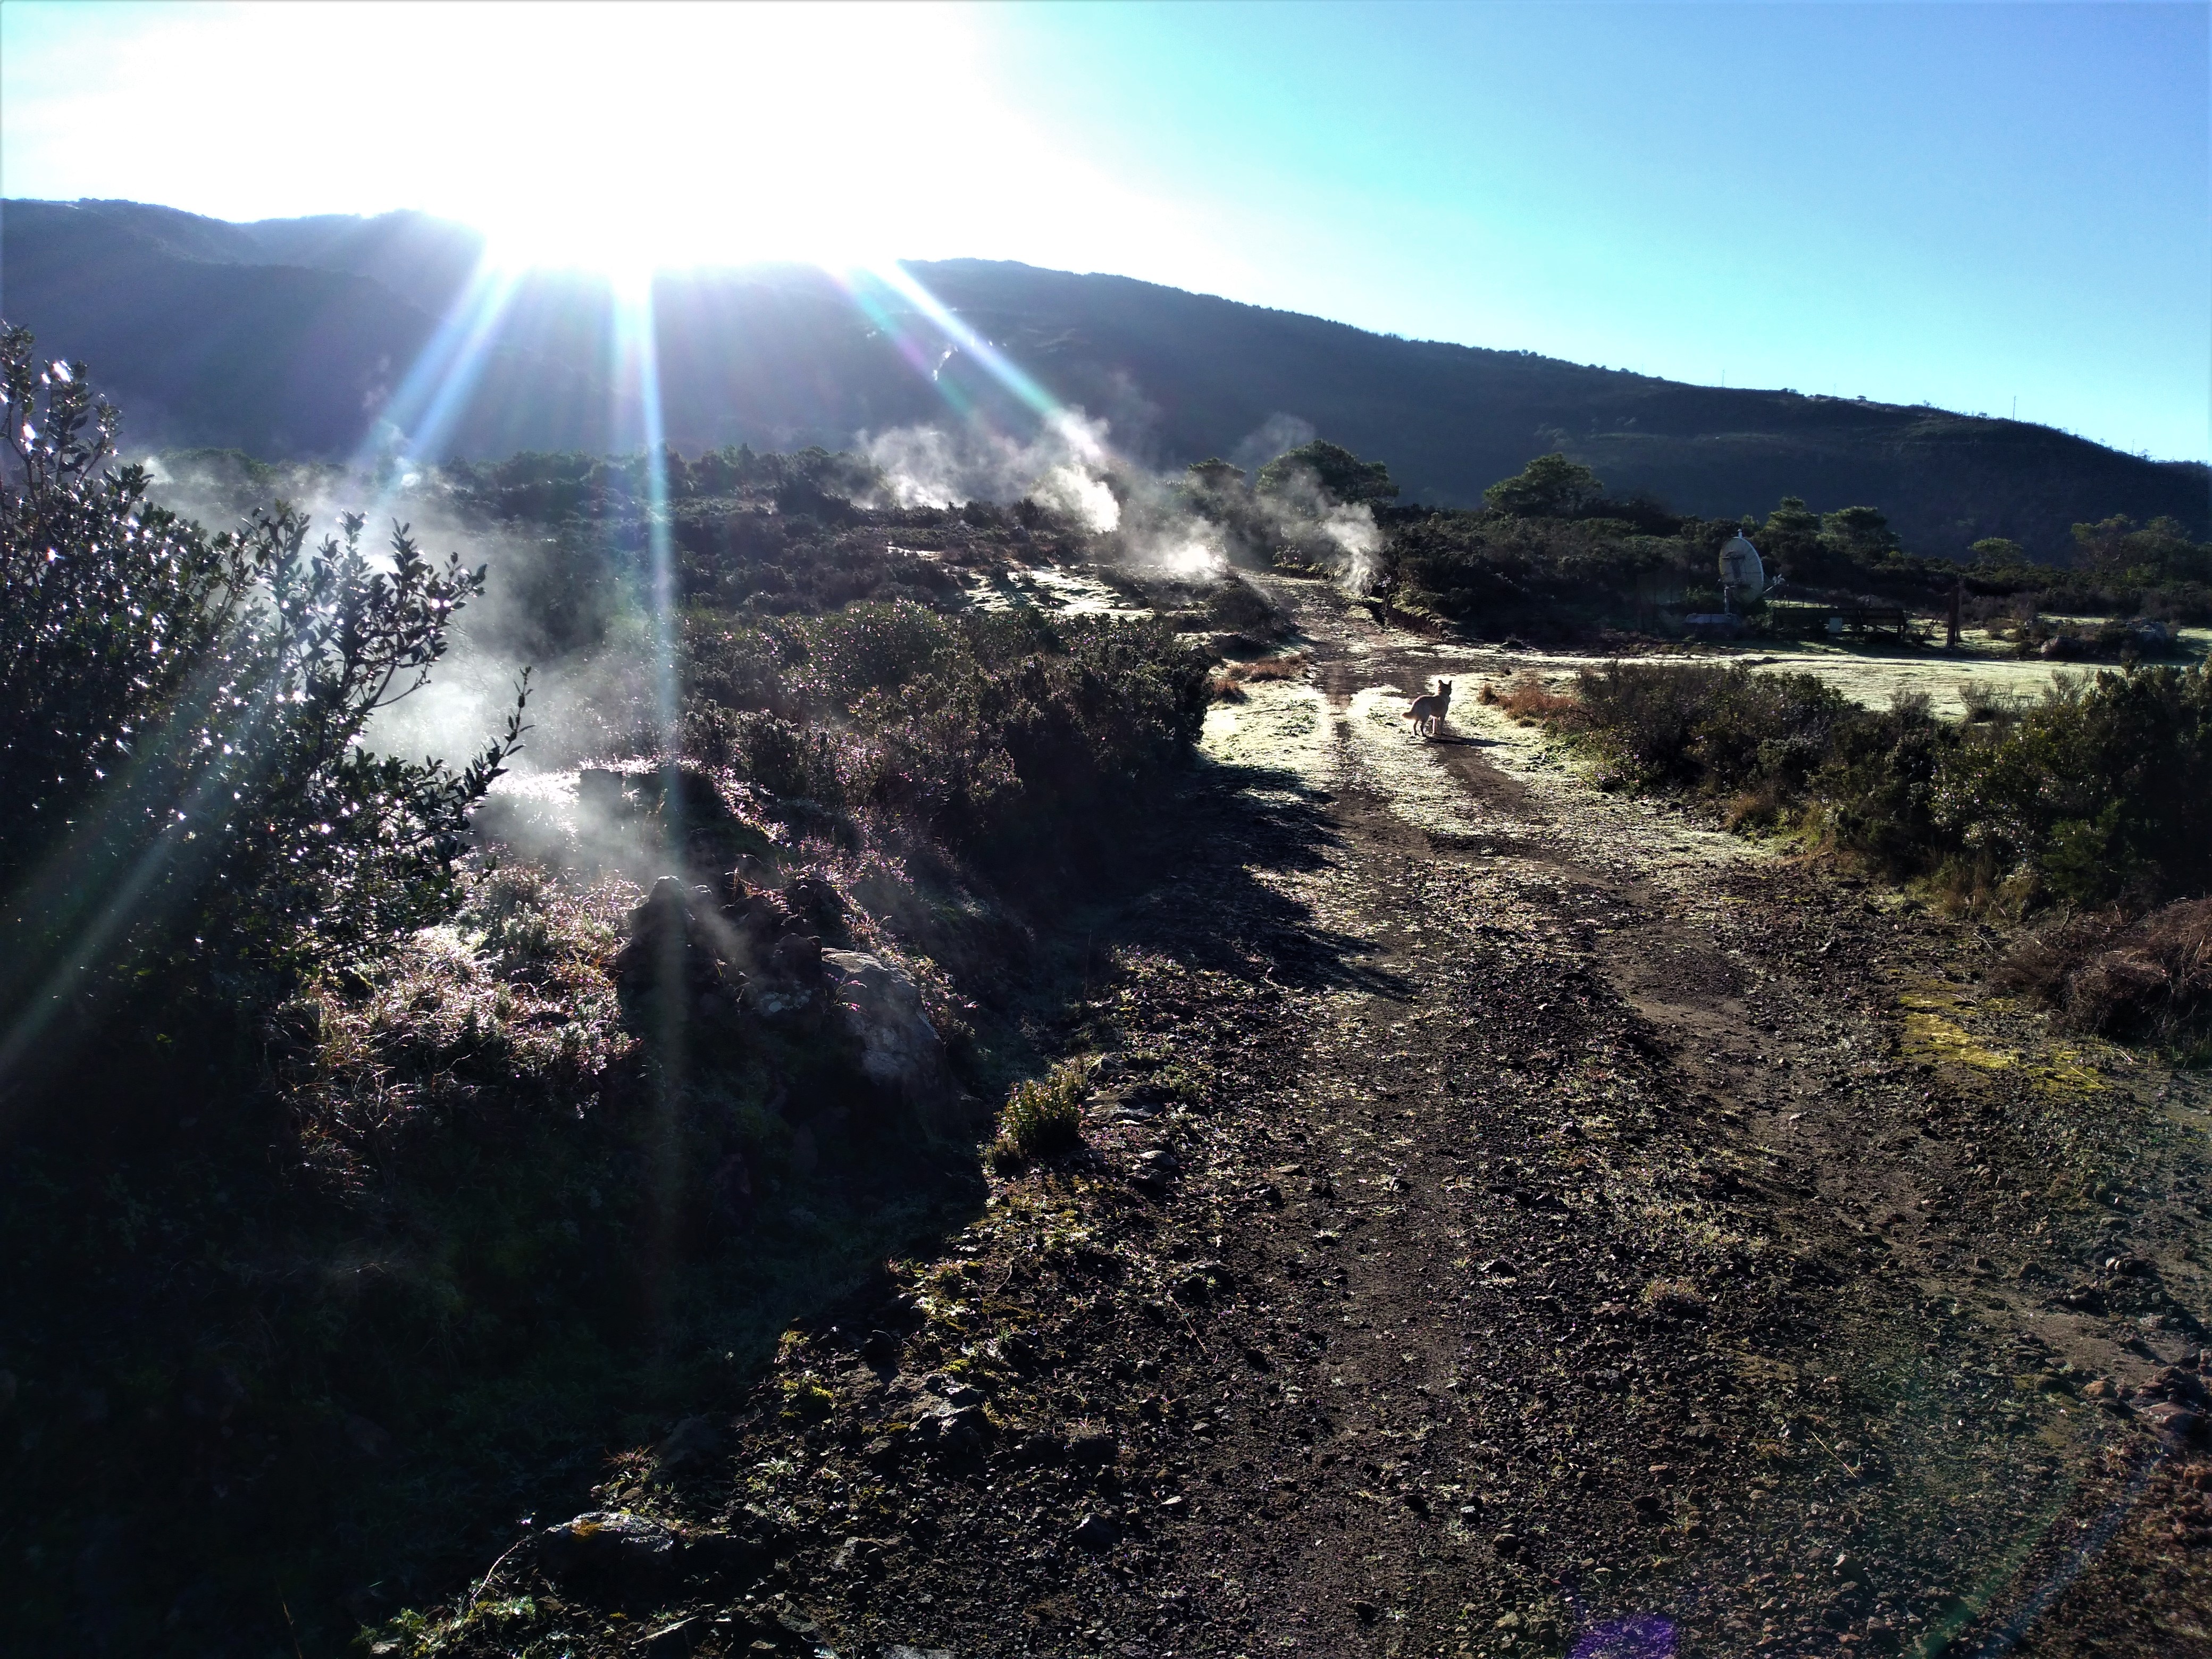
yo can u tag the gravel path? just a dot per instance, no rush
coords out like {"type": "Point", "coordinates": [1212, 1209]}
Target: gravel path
{"type": "Point", "coordinates": [1515, 1219]}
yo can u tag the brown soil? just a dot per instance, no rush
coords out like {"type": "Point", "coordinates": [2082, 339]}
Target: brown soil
{"type": "Point", "coordinates": [1513, 1220]}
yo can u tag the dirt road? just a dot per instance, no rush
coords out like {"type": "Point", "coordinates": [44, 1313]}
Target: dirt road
{"type": "Point", "coordinates": [1515, 1220]}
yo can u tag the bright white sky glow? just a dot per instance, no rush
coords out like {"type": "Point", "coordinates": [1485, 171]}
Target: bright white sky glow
{"type": "Point", "coordinates": [1961, 204]}
{"type": "Point", "coordinates": [641, 135]}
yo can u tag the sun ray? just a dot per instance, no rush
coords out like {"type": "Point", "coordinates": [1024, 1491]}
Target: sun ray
{"type": "Point", "coordinates": [1002, 368]}
{"type": "Point", "coordinates": [436, 390]}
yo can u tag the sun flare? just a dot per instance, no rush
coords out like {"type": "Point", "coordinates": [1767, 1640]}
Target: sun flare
{"type": "Point", "coordinates": [687, 137]}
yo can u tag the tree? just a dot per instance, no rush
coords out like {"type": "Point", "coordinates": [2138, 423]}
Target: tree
{"type": "Point", "coordinates": [1340, 475]}
{"type": "Point", "coordinates": [2158, 551]}
{"type": "Point", "coordinates": [1860, 531]}
{"type": "Point", "coordinates": [1549, 487]}
{"type": "Point", "coordinates": [2000, 552]}
{"type": "Point", "coordinates": [1213, 476]}
{"type": "Point", "coordinates": [1791, 538]}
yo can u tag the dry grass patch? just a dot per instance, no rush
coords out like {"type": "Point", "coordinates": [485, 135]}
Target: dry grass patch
{"type": "Point", "coordinates": [1229, 682]}
{"type": "Point", "coordinates": [2108, 975]}
{"type": "Point", "coordinates": [1526, 699]}
{"type": "Point", "coordinates": [514, 998]}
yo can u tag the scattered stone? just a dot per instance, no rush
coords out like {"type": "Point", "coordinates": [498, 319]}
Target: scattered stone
{"type": "Point", "coordinates": [949, 1432]}
{"type": "Point", "coordinates": [725, 1556]}
{"type": "Point", "coordinates": [882, 1454]}
{"type": "Point", "coordinates": [1154, 1170]}
{"type": "Point", "coordinates": [1094, 1448]}
{"type": "Point", "coordinates": [670, 1638]}
{"type": "Point", "coordinates": [2176, 1425]}
{"type": "Point", "coordinates": [856, 1554]}
{"type": "Point", "coordinates": [1096, 1533]}
{"type": "Point", "coordinates": [1366, 1612]}
{"type": "Point", "coordinates": [691, 1441]}
{"type": "Point", "coordinates": [1507, 1545]}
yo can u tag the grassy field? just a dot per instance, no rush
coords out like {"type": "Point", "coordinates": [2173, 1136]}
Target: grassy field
{"type": "Point", "coordinates": [1870, 675]}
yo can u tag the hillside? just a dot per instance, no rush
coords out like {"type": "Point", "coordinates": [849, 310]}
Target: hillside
{"type": "Point", "coordinates": [288, 338]}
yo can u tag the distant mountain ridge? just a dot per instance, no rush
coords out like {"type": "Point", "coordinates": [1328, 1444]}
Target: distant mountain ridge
{"type": "Point", "coordinates": [288, 338]}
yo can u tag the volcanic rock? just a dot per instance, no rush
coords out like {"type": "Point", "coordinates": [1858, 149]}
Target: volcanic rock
{"type": "Point", "coordinates": [628, 1550]}
{"type": "Point", "coordinates": [900, 1049]}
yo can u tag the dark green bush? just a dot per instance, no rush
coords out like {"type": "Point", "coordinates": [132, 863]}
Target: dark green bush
{"type": "Point", "coordinates": [1713, 728]}
{"type": "Point", "coordinates": [2100, 794]}
{"type": "Point", "coordinates": [2104, 789]}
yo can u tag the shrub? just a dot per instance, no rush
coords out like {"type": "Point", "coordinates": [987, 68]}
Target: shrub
{"type": "Point", "coordinates": [1042, 1118]}
{"type": "Point", "coordinates": [1718, 729]}
{"type": "Point", "coordinates": [1005, 737]}
{"type": "Point", "coordinates": [2099, 794]}
{"type": "Point", "coordinates": [2104, 789]}
{"type": "Point", "coordinates": [181, 723]}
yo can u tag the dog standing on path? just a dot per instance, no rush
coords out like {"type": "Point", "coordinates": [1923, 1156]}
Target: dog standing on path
{"type": "Point", "coordinates": [1427, 714]}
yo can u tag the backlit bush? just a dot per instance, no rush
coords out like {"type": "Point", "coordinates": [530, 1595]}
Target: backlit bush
{"type": "Point", "coordinates": [1005, 736]}
{"type": "Point", "coordinates": [181, 716]}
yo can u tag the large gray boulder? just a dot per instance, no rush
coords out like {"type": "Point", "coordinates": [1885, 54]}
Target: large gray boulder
{"type": "Point", "coordinates": [900, 1049]}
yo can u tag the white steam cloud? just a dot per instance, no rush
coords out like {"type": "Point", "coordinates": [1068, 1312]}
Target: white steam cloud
{"type": "Point", "coordinates": [1068, 468]}
{"type": "Point", "coordinates": [590, 702]}
{"type": "Point", "coordinates": [585, 702]}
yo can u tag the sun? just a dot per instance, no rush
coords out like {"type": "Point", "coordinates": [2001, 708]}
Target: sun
{"type": "Point", "coordinates": [662, 138]}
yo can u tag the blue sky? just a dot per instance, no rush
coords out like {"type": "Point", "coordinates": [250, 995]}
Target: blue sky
{"type": "Point", "coordinates": [1956, 203]}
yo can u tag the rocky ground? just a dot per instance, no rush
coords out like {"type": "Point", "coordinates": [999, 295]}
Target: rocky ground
{"type": "Point", "coordinates": [1513, 1220]}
